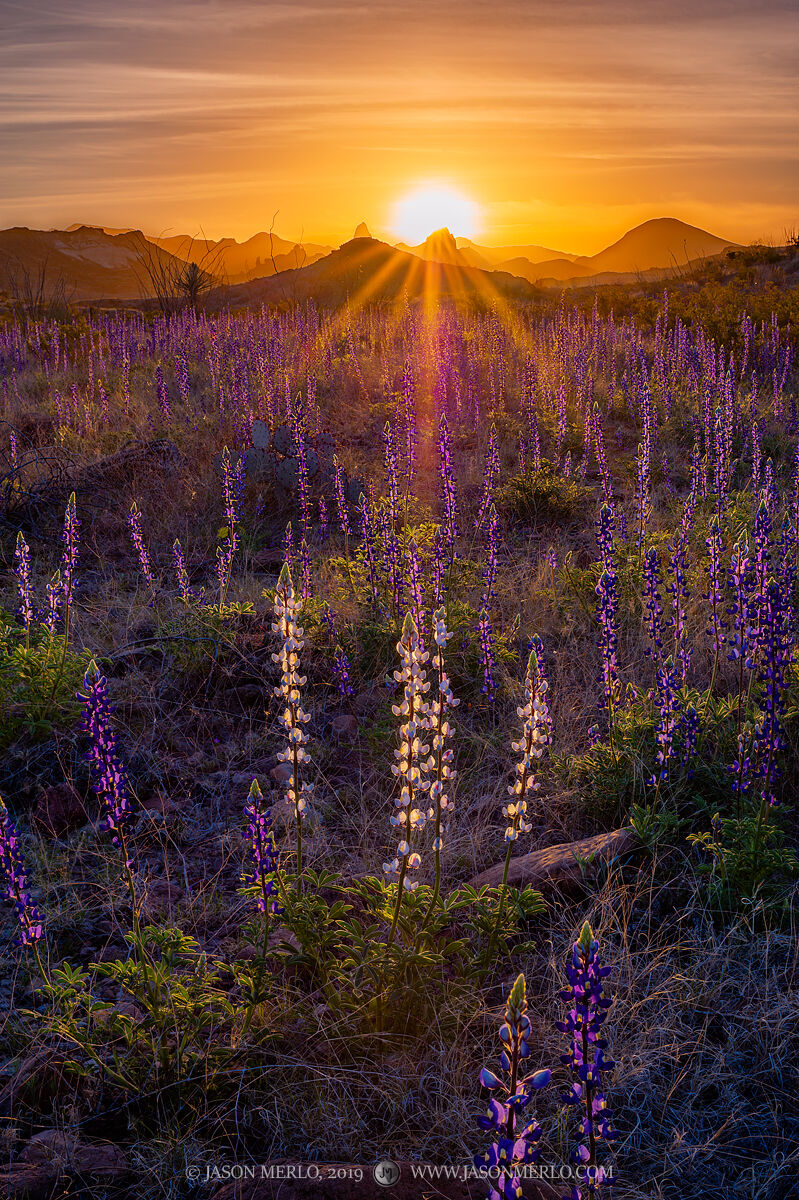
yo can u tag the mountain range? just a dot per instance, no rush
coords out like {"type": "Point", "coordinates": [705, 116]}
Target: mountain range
{"type": "Point", "coordinates": [94, 262]}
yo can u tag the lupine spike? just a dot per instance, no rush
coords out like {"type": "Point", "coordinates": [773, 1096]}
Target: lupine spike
{"type": "Point", "coordinates": [14, 882]}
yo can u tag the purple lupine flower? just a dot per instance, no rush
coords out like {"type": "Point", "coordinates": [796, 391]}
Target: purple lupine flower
{"type": "Point", "coordinates": [787, 562]}
{"type": "Point", "coordinates": [264, 858]}
{"type": "Point", "coordinates": [667, 708]}
{"type": "Point", "coordinates": [55, 597]}
{"type": "Point", "coordinates": [182, 574]}
{"type": "Point", "coordinates": [488, 660]}
{"type": "Point", "coordinates": [136, 536]}
{"type": "Point", "coordinates": [108, 775]}
{"type": "Point", "coordinates": [762, 560]}
{"type": "Point", "coordinates": [13, 881]}
{"type": "Point", "coordinates": [774, 659]}
{"type": "Point", "coordinates": [163, 394]}
{"type": "Point", "coordinates": [369, 542]}
{"type": "Point", "coordinates": [490, 568]}
{"type": "Point", "coordinates": [411, 431]}
{"type": "Point", "coordinates": [437, 568]}
{"type": "Point", "coordinates": [22, 571]}
{"type": "Point", "coordinates": [587, 1012]}
{"type": "Point", "coordinates": [688, 733]}
{"type": "Point", "coordinates": [232, 495]}
{"type": "Point", "coordinates": [416, 590]}
{"type": "Point", "coordinates": [490, 477]}
{"type": "Point", "coordinates": [714, 594]}
{"type": "Point", "coordinates": [740, 579]}
{"type": "Point", "coordinates": [323, 518]}
{"type": "Point", "coordinates": [677, 587]}
{"type": "Point", "coordinates": [341, 671]}
{"type": "Point", "coordinates": [341, 500]}
{"type": "Point", "coordinates": [512, 1091]}
{"type": "Point", "coordinates": [69, 558]}
{"type": "Point", "coordinates": [607, 612]}
{"type": "Point", "coordinates": [653, 608]}
{"type": "Point", "coordinates": [448, 497]}
{"type": "Point", "coordinates": [390, 458]}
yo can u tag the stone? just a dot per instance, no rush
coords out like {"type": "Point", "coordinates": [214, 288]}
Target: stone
{"type": "Point", "coordinates": [560, 864]}
{"type": "Point", "coordinates": [281, 773]}
{"type": "Point", "coordinates": [59, 809]}
{"type": "Point", "coordinates": [50, 1146]}
{"type": "Point", "coordinates": [269, 556]}
{"type": "Point", "coordinates": [344, 727]}
{"type": "Point", "coordinates": [27, 1181]}
{"type": "Point", "coordinates": [162, 897]}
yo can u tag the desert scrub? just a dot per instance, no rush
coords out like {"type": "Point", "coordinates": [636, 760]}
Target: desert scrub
{"type": "Point", "coordinates": [544, 497]}
{"type": "Point", "coordinates": [39, 676]}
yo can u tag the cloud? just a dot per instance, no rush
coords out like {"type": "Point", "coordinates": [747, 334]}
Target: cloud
{"type": "Point", "coordinates": [331, 107]}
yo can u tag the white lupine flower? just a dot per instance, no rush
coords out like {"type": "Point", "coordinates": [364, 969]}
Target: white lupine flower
{"type": "Point", "coordinates": [536, 736]}
{"type": "Point", "coordinates": [439, 760]}
{"type": "Point", "coordinates": [293, 716]}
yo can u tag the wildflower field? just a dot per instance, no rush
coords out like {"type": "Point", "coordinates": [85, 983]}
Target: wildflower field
{"type": "Point", "coordinates": [399, 737]}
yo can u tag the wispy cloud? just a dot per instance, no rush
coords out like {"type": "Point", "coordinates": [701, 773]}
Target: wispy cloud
{"type": "Point", "coordinates": [217, 111]}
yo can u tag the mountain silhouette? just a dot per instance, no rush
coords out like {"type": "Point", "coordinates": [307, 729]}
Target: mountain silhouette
{"type": "Point", "coordinates": [85, 262]}
{"type": "Point", "coordinates": [370, 271]}
{"type": "Point", "coordinates": [362, 231]}
{"type": "Point", "coordinates": [661, 244]}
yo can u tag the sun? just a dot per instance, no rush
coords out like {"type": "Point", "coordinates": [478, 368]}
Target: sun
{"type": "Point", "coordinates": [434, 206]}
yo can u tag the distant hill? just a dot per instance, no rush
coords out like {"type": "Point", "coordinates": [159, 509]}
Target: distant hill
{"type": "Point", "coordinates": [85, 262]}
{"type": "Point", "coordinates": [497, 256]}
{"type": "Point", "coordinates": [365, 270]}
{"type": "Point", "coordinates": [234, 262]}
{"type": "Point", "coordinates": [441, 246]}
{"type": "Point", "coordinates": [663, 244]}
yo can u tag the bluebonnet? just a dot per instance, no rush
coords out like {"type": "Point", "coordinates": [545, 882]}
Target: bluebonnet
{"type": "Point", "coordinates": [490, 477]}
{"type": "Point", "coordinates": [263, 854]}
{"type": "Point", "coordinates": [137, 537]}
{"type": "Point", "coordinates": [341, 671]}
{"type": "Point", "coordinates": [341, 500]}
{"type": "Point", "coordinates": [448, 497]}
{"type": "Point", "coordinates": [108, 775]}
{"type": "Point", "coordinates": [14, 883]}
{"type": "Point", "coordinates": [22, 570]}
{"type": "Point", "coordinates": [512, 1091]}
{"type": "Point", "coordinates": [667, 708]}
{"type": "Point", "coordinates": [587, 1011]}
{"type": "Point", "coordinates": [653, 607]}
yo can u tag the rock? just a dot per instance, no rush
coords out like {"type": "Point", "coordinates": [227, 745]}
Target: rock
{"type": "Point", "coordinates": [268, 557]}
{"type": "Point", "coordinates": [335, 1181]}
{"type": "Point", "coordinates": [281, 773]}
{"type": "Point", "coordinates": [162, 896]}
{"type": "Point", "coordinates": [27, 1181]}
{"type": "Point", "coordinates": [160, 803]}
{"type": "Point", "coordinates": [344, 727]}
{"type": "Point", "coordinates": [366, 702]}
{"type": "Point", "coordinates": [42, 1075]}
{"type": "Point", "coordinates": [50, 1146]}
{"type": "Point", "coordinates": [558, 864]}
{"type": "Point", "coordinates": [52, 1152]}
{"type": "Point", "coordinates": [58, 809]}
{"type": "Point", "coordinates": [124, 1008]}
{"type": "Point", "coordinates": [100, 1160]}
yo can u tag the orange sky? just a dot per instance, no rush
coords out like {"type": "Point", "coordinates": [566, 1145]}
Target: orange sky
{"type": "Point", "coordinates": [568, 122]}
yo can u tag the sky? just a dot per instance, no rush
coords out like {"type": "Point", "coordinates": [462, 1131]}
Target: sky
{"type": "Point", "coordinates": [565, 121]}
